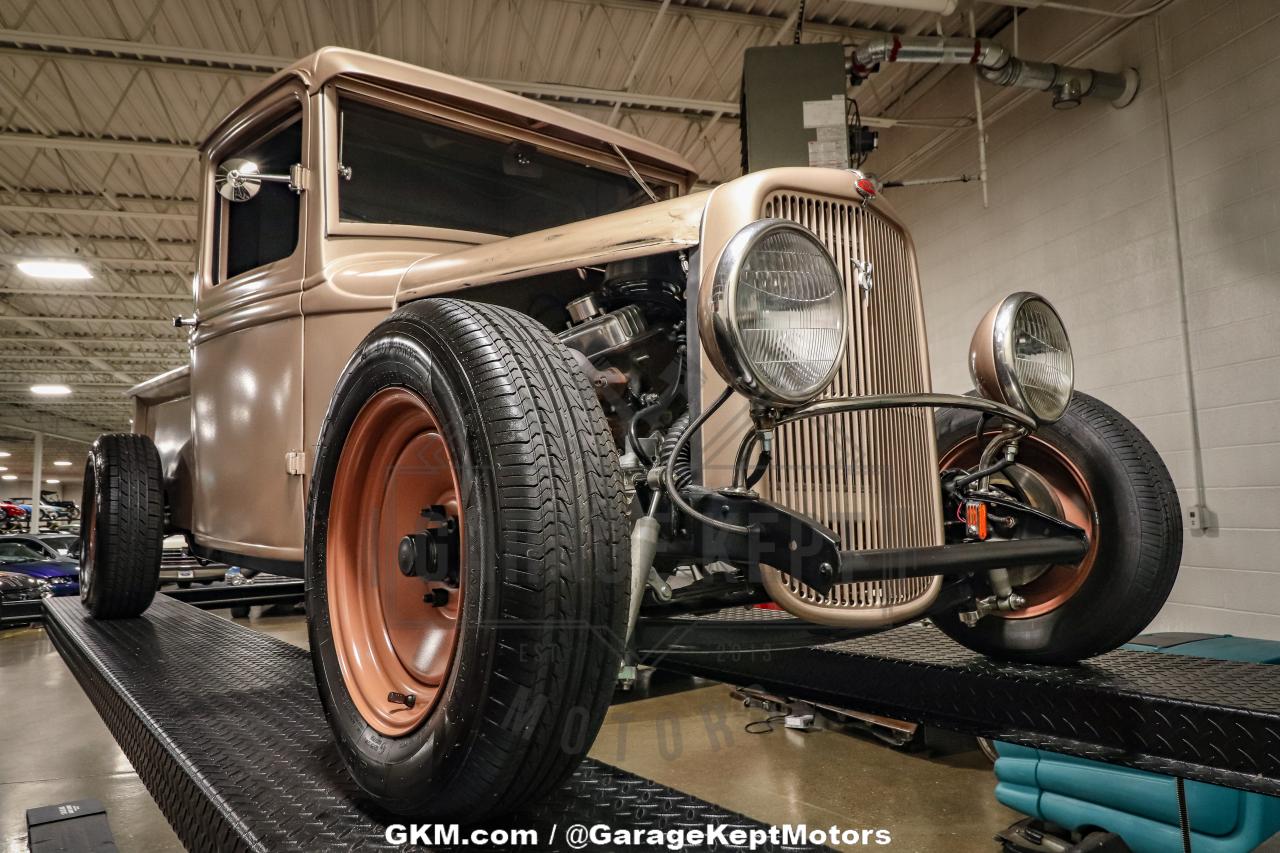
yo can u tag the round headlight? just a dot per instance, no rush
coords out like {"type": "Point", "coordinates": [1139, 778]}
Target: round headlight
{"type": "Point", "coordinates": [1021, 356]}
{"type": "Point", "coordinates": [774, 322]}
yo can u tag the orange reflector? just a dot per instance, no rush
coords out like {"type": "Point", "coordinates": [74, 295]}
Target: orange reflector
{"type": "Point", "coordinates": [976, 519]}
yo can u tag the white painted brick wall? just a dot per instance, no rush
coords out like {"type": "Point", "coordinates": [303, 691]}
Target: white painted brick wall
{"type": "Point", "coordinates": [1081, 211]}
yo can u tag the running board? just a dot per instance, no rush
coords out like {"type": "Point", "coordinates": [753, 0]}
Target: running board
{"type": "Point", "coordinates": [1207, 720]}
{"type": "Point", "coordinates": [224, 727]}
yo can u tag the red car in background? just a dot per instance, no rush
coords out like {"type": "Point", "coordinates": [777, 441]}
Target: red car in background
{"type": "Point", "coordinates": [12, 516]}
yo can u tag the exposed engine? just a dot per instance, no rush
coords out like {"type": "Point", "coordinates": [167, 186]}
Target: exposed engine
{"type": "Point", "coordinates": [629, 335]}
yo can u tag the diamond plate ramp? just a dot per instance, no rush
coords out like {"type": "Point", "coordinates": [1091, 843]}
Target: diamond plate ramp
{"type": "Point", "coordinates": [1208, 720]}
{"type": "Point", "coordinates": [224, 727]}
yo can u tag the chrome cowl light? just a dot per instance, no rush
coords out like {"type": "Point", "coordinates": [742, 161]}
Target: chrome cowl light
{"type": "Point", "coordinates": [1021, 356]}
{"type": "Point", "coordinates": [773, 323]}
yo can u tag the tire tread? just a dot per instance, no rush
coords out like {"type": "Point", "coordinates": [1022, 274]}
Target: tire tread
{"type": "Point", "coordinates": [562, 546]}
{"type": "Point", "coordinates": [1137, 588]}
{"type": "Point", "coordinates": [127, 486]}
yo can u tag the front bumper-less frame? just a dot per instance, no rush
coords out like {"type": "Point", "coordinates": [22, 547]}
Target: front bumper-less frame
{"type": "Point", "coordinates": [807, 550]}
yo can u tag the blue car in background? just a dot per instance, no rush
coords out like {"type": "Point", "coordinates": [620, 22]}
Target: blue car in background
{"type": "Point", "coordinates": [63, 576]}
{"type": "Point", "coordinates": [1140, 807]}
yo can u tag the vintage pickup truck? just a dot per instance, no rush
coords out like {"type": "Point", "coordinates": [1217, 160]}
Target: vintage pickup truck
{"type": "Point", "coordinates": [500, 384]}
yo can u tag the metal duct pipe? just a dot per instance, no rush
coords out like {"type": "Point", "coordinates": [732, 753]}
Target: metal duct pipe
{"type": "Point", "coordinates": [996, 65]}
{"type": "Point", "coordinates": [1069, 85]}
{"type": "Point", "coordinates": [887, 47]}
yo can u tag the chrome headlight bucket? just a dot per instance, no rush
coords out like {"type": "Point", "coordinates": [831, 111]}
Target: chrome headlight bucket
{"type": "Point", "coordinates": [1021, 356]}
{"type": "Point", "coordinates": [773, 321]}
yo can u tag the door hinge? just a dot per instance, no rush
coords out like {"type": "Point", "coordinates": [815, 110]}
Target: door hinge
{"type": "Point", "coordinates": [295, 462]}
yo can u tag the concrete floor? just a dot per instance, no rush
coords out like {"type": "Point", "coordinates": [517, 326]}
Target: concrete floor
{"type": "Point", "coordinates": [54, 747]}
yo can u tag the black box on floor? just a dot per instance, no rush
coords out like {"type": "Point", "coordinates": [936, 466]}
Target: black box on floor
{"type": "Point", "coordinates": [70, 828]}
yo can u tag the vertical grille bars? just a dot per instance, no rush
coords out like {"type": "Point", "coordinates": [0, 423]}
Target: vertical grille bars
{"type": "Point", "coordinates": [869, 476]}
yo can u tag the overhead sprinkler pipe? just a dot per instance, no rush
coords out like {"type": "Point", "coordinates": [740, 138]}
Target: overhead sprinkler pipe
{"type": "Point", "coordinates": [996, 65]}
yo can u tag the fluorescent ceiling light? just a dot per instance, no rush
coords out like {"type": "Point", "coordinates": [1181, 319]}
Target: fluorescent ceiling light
{"type": "Point", "coordinates": [8, 476]}
{"type": "Point", "coordinates": [50, 390]}
{"type": "Point", "coordinates": [62, 463]}
{"type": "Point", "coordinates": [65, 270]}
{"type": "Point", "coordinates": [3, 468]}
{"type": "Point", "coordinates": [4, 454]}
{"type": "Point", "coordinates": [53, 482]}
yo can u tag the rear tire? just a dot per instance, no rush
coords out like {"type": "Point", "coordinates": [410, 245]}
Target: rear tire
{"type": "Point", "coordinates": [122, 526]}
{"type": "Point", "coordinates": [1133, 512]}
{"type": "Point", "coordinates": [512, 695]}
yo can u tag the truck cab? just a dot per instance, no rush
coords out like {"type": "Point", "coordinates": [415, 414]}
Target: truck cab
{"type": "Point", "coordinates": [352, 169]}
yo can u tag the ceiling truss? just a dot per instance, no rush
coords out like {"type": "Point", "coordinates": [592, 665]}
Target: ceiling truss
{"type": "Point", "coordinates": [102, 106]}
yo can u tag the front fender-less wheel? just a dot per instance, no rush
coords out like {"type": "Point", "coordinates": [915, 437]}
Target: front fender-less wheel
{"type": "Point", "coordinates": [121, 526]}
{"type": "Point", "coordinates": [1095, 469]}
{"type": "Point", "coordinates": [468, 674]}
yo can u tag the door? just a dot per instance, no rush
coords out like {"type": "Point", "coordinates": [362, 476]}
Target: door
{"type": "Point", "coordinates": [246, 361]}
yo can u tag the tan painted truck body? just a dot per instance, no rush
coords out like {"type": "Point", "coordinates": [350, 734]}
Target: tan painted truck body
{"type": "Point", "coordinates": [237, 428]}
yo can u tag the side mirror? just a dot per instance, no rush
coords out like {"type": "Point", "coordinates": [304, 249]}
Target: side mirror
{"type": "Point", "coordinates": [74, 550]}
{"type": "Point", "coordinates": [238, 179]}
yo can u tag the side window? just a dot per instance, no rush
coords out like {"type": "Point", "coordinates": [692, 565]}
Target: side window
{"type": "Point", "coordinates": [263, 228]}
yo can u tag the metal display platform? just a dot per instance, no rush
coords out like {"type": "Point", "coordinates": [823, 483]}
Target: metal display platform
{"type": "Point", "coordinates": [224, 727]}
{"type": "Point", "coordinates": [1207, 720]}
{"type": "Point", "coordinates": [264, 590]}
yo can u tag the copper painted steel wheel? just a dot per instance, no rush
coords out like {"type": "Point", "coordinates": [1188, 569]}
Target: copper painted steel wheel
{"type": "Point", "coordinates": [394, 464]}
{"type": "Point", "coordinates": [1061, 481]}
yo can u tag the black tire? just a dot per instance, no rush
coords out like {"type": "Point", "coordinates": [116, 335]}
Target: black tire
{"type": "Point", "coordinates": [122, 530]}
{"type": "Point", "coordinates": [1139, 540]}
{"type": "Point", "coordinates": [541, 500]}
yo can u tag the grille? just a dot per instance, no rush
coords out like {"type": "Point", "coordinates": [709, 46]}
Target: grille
{"type": "Point", "coordinates": [872, 477]}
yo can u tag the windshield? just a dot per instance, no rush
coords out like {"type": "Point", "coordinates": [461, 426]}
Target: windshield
{"type": "Point", "coordinates": [16, 552]}
{"type": "Point", "coordinates": [409, 171]}
{"type": "Point", "coordinates": [61, 544]}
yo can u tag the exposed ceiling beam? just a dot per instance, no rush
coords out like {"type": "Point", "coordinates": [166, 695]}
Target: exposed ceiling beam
{"type": "Point", "coordinates": [28, 357]}
{"type": "Point", "coordinates": [96, 144]}
{"type": "Point", "coordinates": [141, 215]}
{"type": "Point", "coordinates": [94, 294]}
{"type": "Point", "coordinates": [4, 425]}
{"type": "Point", "coordinates": [96, 319]}
{"type": "Point", "coordinates": [37, 326]}
{"type": "Point", "coordinates": [93, 339]}
{"type": "Point", "coordinates": [181, 204]}
{"type": "Point", "coordinates": [608, 97]}
{"type": "Point", "coordinates": [23, 386]}
{"type": "Point", "coordinates": [120, 50]}
{"type": "Point", "coordinates": [605, 98]}
{"type": "Point", "coordinates": [104, 403]}
{"type": "Point", "coordinates": [759, 20]}
{"type": "Point", "coordinates": [58, 232]}
{"type": "Point", "coordinates": [120, 263]}
{"type": "Point", "coordinates": [641, 57]}
{"type": "Point", "coordinates": [50, 45]}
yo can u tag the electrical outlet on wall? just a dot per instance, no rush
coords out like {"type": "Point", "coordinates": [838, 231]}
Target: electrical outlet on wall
{"type": "Point", "coordinates": [1196, 517]}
